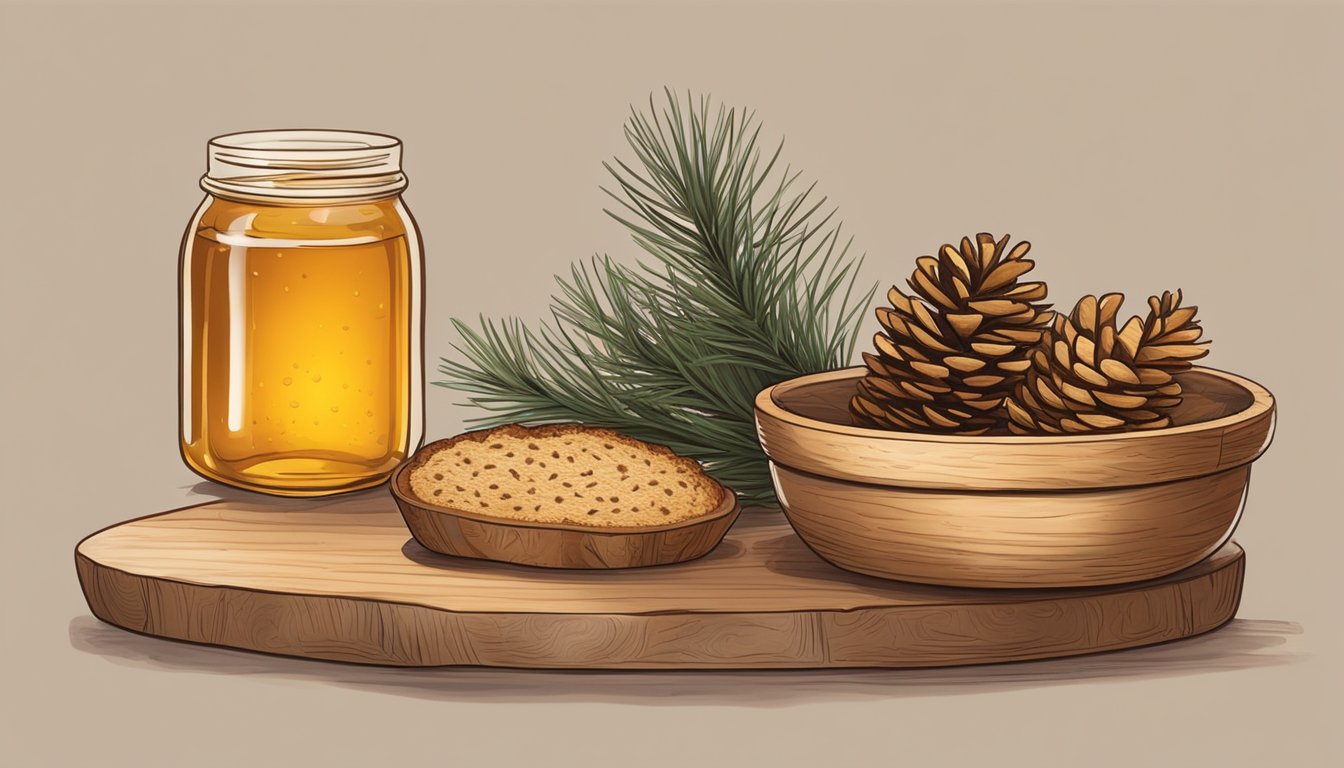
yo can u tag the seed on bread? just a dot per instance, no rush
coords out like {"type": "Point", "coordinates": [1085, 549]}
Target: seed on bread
{"type": "Point", "coordinates": [594, 459]}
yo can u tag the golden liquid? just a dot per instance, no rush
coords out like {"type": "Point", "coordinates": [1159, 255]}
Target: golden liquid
{"type": "Point", "coordinates": [297, 346]}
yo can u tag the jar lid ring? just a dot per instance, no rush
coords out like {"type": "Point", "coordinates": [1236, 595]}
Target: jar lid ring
{"type": "Point", "coordinates": [304, 164]}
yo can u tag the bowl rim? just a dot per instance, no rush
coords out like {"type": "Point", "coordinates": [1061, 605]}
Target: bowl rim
{"type": "Point", "coordinates": [767, 402]}
{"type": "Point", "coordinates": [401, 490]}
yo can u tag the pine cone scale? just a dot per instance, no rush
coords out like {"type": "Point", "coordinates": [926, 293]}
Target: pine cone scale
{"type": "Point", "coordinates": [964, 324]}
{"type": "Point", "coordinates": [1118, 371]}
{"type": "Point", "coordinates": [1087, 374]}
{"type": "Point", "coordinates": [1121, 401]}
{"type": "Point", "coordinates": [1016, 335]}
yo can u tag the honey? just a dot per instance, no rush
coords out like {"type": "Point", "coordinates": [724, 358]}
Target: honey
{"type": "Point", "coordinates": [301, 359]}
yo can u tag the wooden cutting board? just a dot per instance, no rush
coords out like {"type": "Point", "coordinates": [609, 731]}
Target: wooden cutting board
{"type": "Point", "coordinates": [343, 580]}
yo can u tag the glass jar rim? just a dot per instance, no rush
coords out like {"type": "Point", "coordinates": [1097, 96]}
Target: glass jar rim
{"type": "Point", "coordinates": [304, 164]}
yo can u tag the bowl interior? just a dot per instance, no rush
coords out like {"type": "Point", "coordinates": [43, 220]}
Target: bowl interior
{"type": "Point", "coordinates": [1207, 396]}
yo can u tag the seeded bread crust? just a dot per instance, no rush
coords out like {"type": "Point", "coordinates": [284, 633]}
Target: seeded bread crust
{"type": "Point", "coordinates": [563, 474]}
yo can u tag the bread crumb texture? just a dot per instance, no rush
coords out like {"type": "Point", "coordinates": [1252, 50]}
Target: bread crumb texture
{"type": "Point", "coordinates": [568, 474]}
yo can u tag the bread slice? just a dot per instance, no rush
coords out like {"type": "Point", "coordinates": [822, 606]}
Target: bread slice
{"type": "Point", "coordinates": [563, 474]}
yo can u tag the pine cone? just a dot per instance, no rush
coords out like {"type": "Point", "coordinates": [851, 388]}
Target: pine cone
{"type": "Point", "coordinates": [947, 365]}
{"type": "Point", "coordinates": [1088, 377]}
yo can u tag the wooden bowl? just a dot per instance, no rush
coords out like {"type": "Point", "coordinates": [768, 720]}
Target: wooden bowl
{"type": "Point", "coordinates": [468, 534]}
{"type": "Point", "coordinates": [1014, 511]}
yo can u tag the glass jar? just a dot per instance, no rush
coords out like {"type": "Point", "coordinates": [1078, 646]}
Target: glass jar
{"type": "Point", "coordinates": [301, 314]}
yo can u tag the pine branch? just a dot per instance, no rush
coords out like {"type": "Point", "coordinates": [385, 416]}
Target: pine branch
{"type": "Point", "coordinates": [749, 284]}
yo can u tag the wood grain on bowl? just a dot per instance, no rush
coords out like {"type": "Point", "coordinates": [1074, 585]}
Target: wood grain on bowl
{"type": "Point", "coordinates": [1094, 537]}
{"type": "Point", "coordinates": [1225, 421]}
{"type": "Point", "coordinates": [1014, 511]}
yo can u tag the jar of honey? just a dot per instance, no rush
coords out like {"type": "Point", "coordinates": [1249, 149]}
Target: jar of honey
{"type": "Point", "coordinates": [301, 314]}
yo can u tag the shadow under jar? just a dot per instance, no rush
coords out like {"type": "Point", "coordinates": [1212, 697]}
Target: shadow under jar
{"type": "Point", "coordinates": [301, 314]}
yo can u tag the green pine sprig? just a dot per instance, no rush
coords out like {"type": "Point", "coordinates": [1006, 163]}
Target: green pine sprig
{"type": "Point", "coordinates": [749, 284]}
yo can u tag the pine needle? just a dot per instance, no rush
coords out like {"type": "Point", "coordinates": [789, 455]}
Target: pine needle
{"type": "Point", "coordinates": [749, 284]}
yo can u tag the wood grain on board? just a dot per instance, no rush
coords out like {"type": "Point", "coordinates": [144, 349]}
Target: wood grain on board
{"type": "Point", "coordinates": [343, 580]}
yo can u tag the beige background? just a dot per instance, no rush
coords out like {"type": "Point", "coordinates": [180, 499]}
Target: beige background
{"type": "Point", "coordinates": [1139, 146]}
